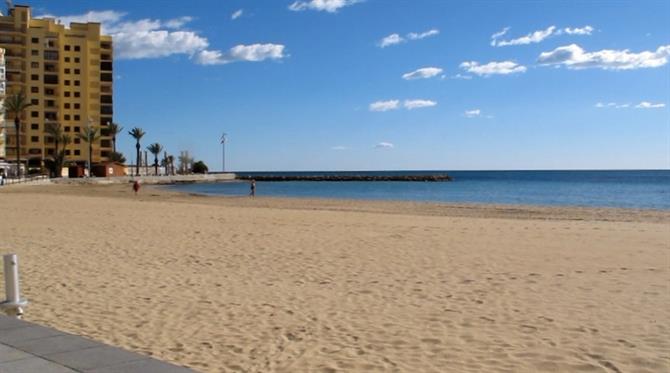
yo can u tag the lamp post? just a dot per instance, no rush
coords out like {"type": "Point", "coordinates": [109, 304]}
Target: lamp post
{"type": "Point", "coordinates": [224, 139]}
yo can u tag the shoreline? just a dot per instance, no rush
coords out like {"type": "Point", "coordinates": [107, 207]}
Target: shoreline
{"type": "Point", "coordinates": [161, 192]}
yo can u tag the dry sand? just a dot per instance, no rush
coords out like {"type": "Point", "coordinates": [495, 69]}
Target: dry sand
{"type": "Point", "coordinates": [280, 285]}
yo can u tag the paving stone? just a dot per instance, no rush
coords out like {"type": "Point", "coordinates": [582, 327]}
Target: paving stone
{"type": "Point", "coordinates": [56, 344]}
{"type": "Point", "coordinates": [11, 323]}
{"type": "Point", "coordinates": [96, 357]}
{"type": "Point", "coordinates": [9, 354]}
{"type": "Point", "coordinates": [142, 366]}
{"type": "Point", "coordinates": [33, 365]}
{"type": "Point", "coordinates": [16, 335]}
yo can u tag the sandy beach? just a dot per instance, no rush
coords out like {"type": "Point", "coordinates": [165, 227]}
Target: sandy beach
{"type": "Point", "coordinates": [285, 285]}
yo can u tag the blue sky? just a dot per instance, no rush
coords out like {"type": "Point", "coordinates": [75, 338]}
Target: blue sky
{"type": "Point", "coordinates": [318, 84]}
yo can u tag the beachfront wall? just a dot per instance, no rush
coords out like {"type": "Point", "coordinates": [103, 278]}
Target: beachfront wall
{"type": "Point", "coordinates": [108, 169]}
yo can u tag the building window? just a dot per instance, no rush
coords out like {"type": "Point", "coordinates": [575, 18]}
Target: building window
{"type": "Point", "coordinates": [35, 101]}
{"type": "Point", "coordinates": [77, 48]}
{"type": "Point", "coordinates": [76, 106]}
{"type": "Point", "coordinates": [34, 138]}
{"type": "Point", "coordinates": [77, 152]}
{"type": "Point", "coordinates": [67, 94]}
{"type": "Point", "coordinates": [35, 114]}
{"type": "Point", "coordinates": [34, 77]}
{"type": "Point", "coordinates": [76, 71]}
{"type": "Point", "coordinates": [76, 60]}
{"type": "Point", "coordinates": [50, 91]}
{"type": "Point", "coordinates": [34, 126]}
{"type": "Point", "coordinates": [77, 140]}
{"type": "Point", "coordinates": [67, 82]}
{"type": "Point", "coordinates": [76, 128]}
{"type": "Point", "coordinates": [67, 152]}
{"type": "Point", "coordinates": [67, 117]}
{"type": "Point", "coordinates": [34, 52]}
{"type": "Point", "coordinates": [76, 82]}
{"type": "Point", "coordinates": [67, 128]}
{"type": "Point", "coordinates": [77, 94]}
{"type": "Point", "coordinates": [50, 151]}
{"type": "Point", "coordinates": [35, 40]}
{"type": "Point", "coordinates": [34, 90]}
{"type": "Point", "coordinates": [67, 105]}
{"type": "Point", "coordinates": [67, 71]}
{"type": "Point", "coordinates": [67, 59]}
{"type": "Point", "coordinates": [67, 47]}
{"type": "Point", "coordinates": [35, 65]}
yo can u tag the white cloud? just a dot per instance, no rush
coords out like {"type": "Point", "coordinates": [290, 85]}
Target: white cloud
{"type": "Point", "coordinates": [339, 147]}
{"type": "Point", "coordinates": [537, 36]}
{"type": "Point", "coordinates": [493, 68]}
{"type": "Point", "coordinates": [384, 105]}
{"type": "Point", "coordinates": [394, 38]}
{"type": "Point", "coordinates": [418, 104]}
{"type": "Point", "coordinates": [422, 35]}
{"type": "Point", "coordinates": [472, 113]}
{"type": "Point", "coordinates": [614, 105]}
{"type": "Point", "coordinates": [460, 76]}
{"type": "Point", "coordinates": [422, 73]}
{"type": "Point", "coordinates": [574, 57]}
{"type": "Point", "coordinates": [384, 145]}
{"type": "Point", "coordinates": [152, 38]}
{"type": "Point", "coordinates": [250, 53]}
{"type": "Point", "coordinates": [586, 30]}
{"type": "Point", "coordinates": [330, 6]}
{"type": "Point", "coordinates": [649, 105]}
{"type": "Point", "coordinates": [237, 14]}
{"type": "Point", "coordinates": [176, 23]}
{"type": "Point", "coordinates": [104, 17]}
{"type": "Point", "coordinates": [391, 40]}
{"type": "Point", "coordinates": [533, 37]}
{"type": "Point", "coordinates": [497, 35]}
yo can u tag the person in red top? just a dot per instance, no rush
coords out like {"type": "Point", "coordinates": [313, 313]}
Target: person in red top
{"type": "Point", "coordinates": [136, 186]}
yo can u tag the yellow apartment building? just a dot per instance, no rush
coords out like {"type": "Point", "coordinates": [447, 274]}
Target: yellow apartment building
{"type": "Point", "coordinates": [66, 73]}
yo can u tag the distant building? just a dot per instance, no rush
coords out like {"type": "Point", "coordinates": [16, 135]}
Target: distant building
{"type": "Point", "coordinates": [2, 96]}
{"type": "Point", "coordinates": [67, 75]}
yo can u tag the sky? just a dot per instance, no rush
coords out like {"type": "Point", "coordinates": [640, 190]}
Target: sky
{"type": "Point", "coordinates": [391, 84]}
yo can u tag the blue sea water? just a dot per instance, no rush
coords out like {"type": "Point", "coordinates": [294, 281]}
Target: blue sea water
{"type": "Point", "coordinates": [648, 189]}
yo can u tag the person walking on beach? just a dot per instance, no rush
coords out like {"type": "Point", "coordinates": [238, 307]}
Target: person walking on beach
{"type": "Point", "coordinates": [136, 186]}
{"type": "Point", "coordinates": [253, 188]}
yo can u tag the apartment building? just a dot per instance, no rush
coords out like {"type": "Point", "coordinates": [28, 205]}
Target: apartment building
{"type": "Point", "coordinates": [66, 74]}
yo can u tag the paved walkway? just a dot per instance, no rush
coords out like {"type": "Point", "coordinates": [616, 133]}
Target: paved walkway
{"type": "Point", "coordinates": [30, 348]}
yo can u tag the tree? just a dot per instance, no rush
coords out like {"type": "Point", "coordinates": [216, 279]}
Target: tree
{"type": "Point", "coordinates": [114, 129]}
{"type": "Point", "coordinates": [170, 162]}
{"type": "Point", "coordinates": [117, 157]}
{"type": "Point", "coordinates": [89, 135]}
{"type": "Point", "coordinates": [137, 134]}
{"type": "Point", "coordinates": [15, 105]}
{"type": "Point", "coordinates": [56, 132]}
{"type": "Point", "coordinates": [200, 167]}
{"type": "Point", "coordinates": [155, 149]}
{"type": "Point", "coordinates": [59, 157]}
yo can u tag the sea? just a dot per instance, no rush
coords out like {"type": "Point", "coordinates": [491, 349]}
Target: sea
{"type": "Point", "coordinates": [643, 189]}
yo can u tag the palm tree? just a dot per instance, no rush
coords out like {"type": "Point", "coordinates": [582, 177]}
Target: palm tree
{"type": "Point", "coordinates": [170, 161]}
{"type": "Point", "coordinates": [114, 129]}
{"type": "Point", "coordinates": [59, 158]}
{"type": "Point", "coordinates": [15, 105]}
{"type": "Point", "coordinates": [155, 149]}
{"type": "Point", "coordinates": [137, 134]}
{"type": "Point", "coordinates": [89, 135]}
{"type": "Point", "coordinates": [56, 132]}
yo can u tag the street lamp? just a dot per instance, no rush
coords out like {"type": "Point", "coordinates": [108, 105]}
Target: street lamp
{"type": "Point", "coordinates": [224, 139]}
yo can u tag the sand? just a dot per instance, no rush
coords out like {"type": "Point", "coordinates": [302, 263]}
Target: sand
{"type": "Point", "coordinates": [281, 285]}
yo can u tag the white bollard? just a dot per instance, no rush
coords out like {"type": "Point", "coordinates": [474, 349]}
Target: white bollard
{"type": "Point", "coordinates": [13, 305]}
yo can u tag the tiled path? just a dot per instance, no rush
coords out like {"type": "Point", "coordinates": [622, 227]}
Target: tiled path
{"type": "Point", "coordinates": [30, 348]}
